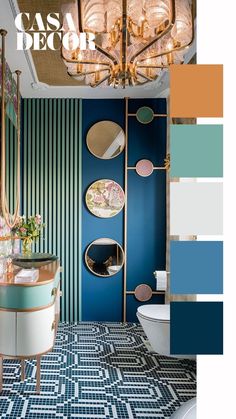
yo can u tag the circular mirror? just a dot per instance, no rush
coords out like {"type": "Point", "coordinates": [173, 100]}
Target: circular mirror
{"type": "Point", "coordinates": [105, 140]}
{"type": "Point", "coordinates": [104, 257]}
{"type": "Point", "coordinates": [145, 115]}
{"type": "Point", "coordinates": [105, 198]}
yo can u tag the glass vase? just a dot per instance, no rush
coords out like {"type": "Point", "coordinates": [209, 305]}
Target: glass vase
{"type": "Point", "coordinates": [27, 246]}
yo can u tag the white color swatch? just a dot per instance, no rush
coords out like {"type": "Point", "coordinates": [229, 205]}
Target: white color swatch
{"type": "Point", "coordinates": [196, 208]}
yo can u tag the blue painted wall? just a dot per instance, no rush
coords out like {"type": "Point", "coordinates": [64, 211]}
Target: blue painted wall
{"type": "Point", "coordinates": [102, 297]}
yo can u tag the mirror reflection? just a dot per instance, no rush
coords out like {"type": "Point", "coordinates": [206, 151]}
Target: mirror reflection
{"type": "Point", "coordinates": [106, 139]}
{"type": "Point", "coordinates": [105, 198]}
{"type": "Point", "coordinates": [104, 257]}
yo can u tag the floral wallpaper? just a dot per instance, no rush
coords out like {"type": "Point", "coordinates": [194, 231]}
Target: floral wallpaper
{"type": "Point", "coordinates": [10, 93]}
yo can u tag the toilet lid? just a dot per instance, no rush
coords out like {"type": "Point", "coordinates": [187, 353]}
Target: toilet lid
{"type": "Point", "coordinates": [155, 311]}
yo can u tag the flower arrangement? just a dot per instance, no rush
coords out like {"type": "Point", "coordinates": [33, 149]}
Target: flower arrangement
{"type": "Point", "coordinates": [28, 229]}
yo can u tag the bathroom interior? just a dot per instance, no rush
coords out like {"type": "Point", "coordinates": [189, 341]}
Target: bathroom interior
{"type": "Point", "coordinates": [84, 226]}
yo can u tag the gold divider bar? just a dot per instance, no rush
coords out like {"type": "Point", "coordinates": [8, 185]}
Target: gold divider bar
{"type": "Point", "coordinates": [156, 115]}
{"type": "Point", "coordinates": [153, 292]}
{"type": "Point", "coordinates": [154, 168]}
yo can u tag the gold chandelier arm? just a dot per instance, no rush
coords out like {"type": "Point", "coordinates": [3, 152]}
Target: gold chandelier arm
{"type": "Point", "coordinates": [161, 54]}
{"type": "Point", "coordinates": [98, 48]}
{"type": "Point", "coordinates": [173, 49]}
{"type": "Point", "coordinates": [89, 62]}
{"type": "Point", "coordinates": [73, 61]}
{"type": "Point", "coordinates": [107, 54]}
{"type": "Point", "coordinates": [146, 77]}
{"type": "Point", "coordinates": [160, 35]}
{"type": "Point", "coordinates": [151, 66]}
{"type": "Point", "coordinates": [124, 40]}
{"type": "Point", "coordinates": [80, 15]}
{"type": "Point", "coordinates": [100, 81]}
{"type": "Point", "coordinates": [87, 73]}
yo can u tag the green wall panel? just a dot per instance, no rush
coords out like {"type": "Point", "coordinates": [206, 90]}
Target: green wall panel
{"type": "Point", "coordinates": [51, 177]}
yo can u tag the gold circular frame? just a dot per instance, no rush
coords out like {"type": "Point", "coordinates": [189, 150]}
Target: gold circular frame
{"type": "Point", "coordinates": [114, 242]}
{"type": "Point", "coordinates": [142, 108]}
{"type": "Point", "coordinates": [4, 203]}
{"type": "Point", "coordinates": [100, 133]}
{"type": "Point", "coordinates": [143, 292]}
{"type": "Point", "coordinates": [104, 180]}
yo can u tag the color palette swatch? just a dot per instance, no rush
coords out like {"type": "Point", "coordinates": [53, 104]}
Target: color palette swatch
{"type": "Point", "coordinates": [196, 328]}
{"type": "Point", "coordinates": [196, 208]}
{"type": "Point", "coordinates": [196, 267]}
{"type": "Point", "coordinates": [196, 150]}
{"type": "Point", "coordinates": [196, 91]}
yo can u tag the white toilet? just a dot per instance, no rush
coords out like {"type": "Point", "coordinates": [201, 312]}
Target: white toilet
{"type": "Point", "coordinates": [187, 411]}
{"type": "Point", "coordinates": [155, 321]}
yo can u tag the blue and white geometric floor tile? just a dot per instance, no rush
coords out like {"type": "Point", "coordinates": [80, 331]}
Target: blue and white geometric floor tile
{"type": "Point", "coordinates": [101, 371]}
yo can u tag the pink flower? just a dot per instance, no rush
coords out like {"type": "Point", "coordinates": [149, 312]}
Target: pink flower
{"type": "Point", "coordinates": [38, 219]}
{"type": "Point", "coordinates": [98, 199]}
{"type": "Point", "coordinates": [22, 230]}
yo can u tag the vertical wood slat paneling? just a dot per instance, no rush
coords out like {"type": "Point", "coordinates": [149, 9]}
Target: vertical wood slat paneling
{"type": "Point", "coordinates": [51, 186]}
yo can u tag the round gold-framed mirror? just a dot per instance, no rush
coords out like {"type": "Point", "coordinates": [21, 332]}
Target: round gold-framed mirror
{"type": "Point", "coordinates": [105, 140]}
{"type": "Point", "coordinates": [105, 198]}
{"type": "Point", "coordinates": [10, 141]}
{"type": "Point", "coordinates": [104, 257]}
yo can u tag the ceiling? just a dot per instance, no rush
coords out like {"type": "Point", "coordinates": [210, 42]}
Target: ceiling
{"type": "Point", "coordinates": [44, 73]}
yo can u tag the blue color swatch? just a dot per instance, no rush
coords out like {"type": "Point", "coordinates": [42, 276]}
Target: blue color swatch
{"type": "Point", "coordinates": [196, 267]}
{"type": "Point", "coordinates": [196, 328]}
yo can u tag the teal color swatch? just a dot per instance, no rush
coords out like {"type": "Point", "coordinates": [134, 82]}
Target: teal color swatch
{"type": "Point", "coordinates": [196, 267]}
{"type": "Point", "coordinates": [196, 328]}
{"type": "Point", "coordinates": [196, 150]}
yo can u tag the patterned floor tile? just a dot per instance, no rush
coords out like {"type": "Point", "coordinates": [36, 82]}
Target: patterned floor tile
{"type": "Point", "coordinates": [98, 370]}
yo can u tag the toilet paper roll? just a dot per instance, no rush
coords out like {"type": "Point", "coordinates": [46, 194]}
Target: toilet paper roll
{"type": "Point", "coordinates": [161, 280]}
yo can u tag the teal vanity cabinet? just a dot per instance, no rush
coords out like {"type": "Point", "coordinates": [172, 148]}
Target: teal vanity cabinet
{"type": "Point", "coordinates": [29, 316]}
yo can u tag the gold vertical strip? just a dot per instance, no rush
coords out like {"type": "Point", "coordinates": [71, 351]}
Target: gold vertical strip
{"type": "Point", "coordinates": [3, 140]}
{"type": "Point", "coordinates": [38, 362]}
{"type": "Point", "coordinates": [125, 211]}
{"type": "Point", "coordinates": [22, 370]}
{"type": "Point", "coordinates": [1, 373]}
{"type": "Point", "coordinates": [168, 121]}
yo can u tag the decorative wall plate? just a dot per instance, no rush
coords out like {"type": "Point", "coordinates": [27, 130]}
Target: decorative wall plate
{"type": "Point", "coordinates": [145, 115]}
{"type": "Point", "coordinates": [105, 198]}
{"type": "Point", "coordinates": [144, 168]}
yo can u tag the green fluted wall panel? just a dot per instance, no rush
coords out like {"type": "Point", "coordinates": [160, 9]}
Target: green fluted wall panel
{"type": "Point", "coordinates": [51, 176]}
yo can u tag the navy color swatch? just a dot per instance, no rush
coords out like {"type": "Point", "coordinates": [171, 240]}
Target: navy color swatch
{"type": "Point", "coordinates": [196, 328]}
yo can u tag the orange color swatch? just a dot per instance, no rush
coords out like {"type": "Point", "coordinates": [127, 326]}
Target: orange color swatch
{"type": "Point", "coordinates": [196, 90]}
